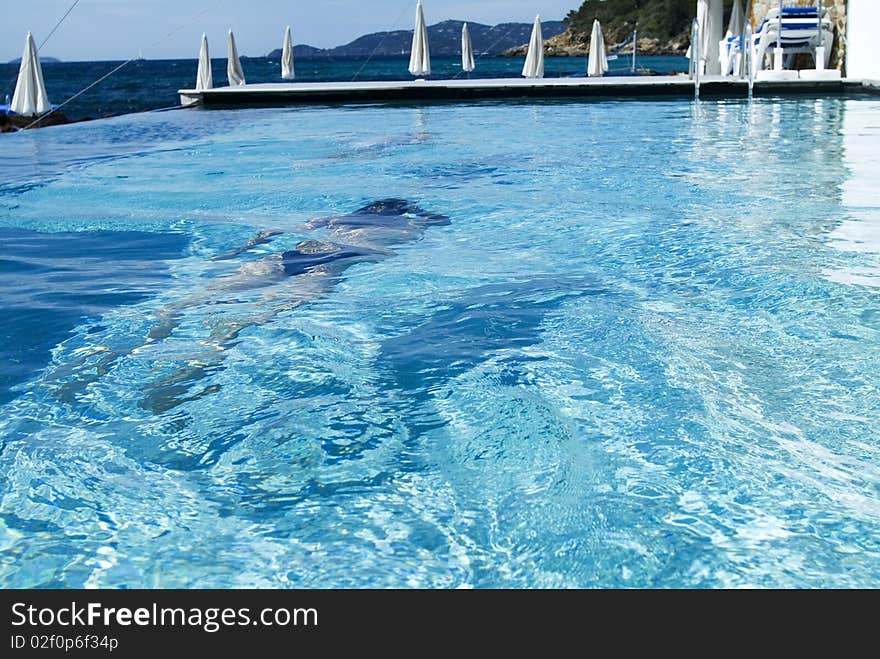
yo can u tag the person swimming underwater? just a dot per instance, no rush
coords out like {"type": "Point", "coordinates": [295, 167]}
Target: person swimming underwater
{"type": "Point", "coordinates": [364, 235]}
{"type": "Point", "coordinates": [280, 281]}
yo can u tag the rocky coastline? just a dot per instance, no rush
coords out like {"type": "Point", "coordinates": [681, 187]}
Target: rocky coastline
{"type": "Point", "coordinates": [11, 123]}
{"type": "Point", "coordinates": [572, 44]}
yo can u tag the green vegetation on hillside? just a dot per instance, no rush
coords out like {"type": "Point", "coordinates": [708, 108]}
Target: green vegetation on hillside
{"type": "Point", "coordinates": [659, 19]}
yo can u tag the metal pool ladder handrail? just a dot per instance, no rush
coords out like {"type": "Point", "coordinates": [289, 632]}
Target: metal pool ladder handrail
{"type": "Point", "coordinates": [748, 55]}
{"type": "Point", "coordinates": [696, 55]}
{"type": "Point", "coordinates": [746, 51]}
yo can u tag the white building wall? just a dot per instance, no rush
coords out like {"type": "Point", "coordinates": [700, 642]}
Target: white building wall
{"type": "Point", "coordinates": [862, 42]}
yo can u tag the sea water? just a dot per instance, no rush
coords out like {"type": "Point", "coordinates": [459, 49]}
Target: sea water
{"type": "Point", "coordinates": [642, 352]}
{"type": "Point", "coordinates": [143, 85]}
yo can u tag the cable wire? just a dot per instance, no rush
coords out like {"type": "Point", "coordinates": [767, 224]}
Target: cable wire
{"type": "Point", "coordinates": [382, 41]}
{"type": "Point", "coordinates": [49, 36]}
{"type": "Point", "coordinates": [58, 24]}
{"type": "Point", "coordinates": [124, 64]}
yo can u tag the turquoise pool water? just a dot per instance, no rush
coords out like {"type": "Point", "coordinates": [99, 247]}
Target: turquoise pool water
{"type": "Point", "coordinates": [607, 344]}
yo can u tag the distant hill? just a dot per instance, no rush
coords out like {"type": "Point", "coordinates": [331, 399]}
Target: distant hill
{"type": "Point", "coordinates": [43, 60]}
{"type": "Point", "coordinates": [445, 39]}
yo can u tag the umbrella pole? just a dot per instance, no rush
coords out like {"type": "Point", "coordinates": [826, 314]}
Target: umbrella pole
{"type": "Point", "coordinates": [635, 47]}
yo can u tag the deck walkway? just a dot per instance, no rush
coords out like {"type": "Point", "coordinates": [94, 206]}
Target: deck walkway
{"type": "Point", "coordinates": [509, 88]}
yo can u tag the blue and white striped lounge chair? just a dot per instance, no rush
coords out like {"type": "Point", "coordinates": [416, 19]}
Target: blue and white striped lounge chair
{"type": "Point", "coordinates": [800, 34]}
{"type": "Point", "coordinates": [797, 32]}
{"type": "Point", "coordinates": [731, 54]}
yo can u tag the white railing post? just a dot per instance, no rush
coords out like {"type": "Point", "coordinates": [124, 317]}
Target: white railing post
{"type": "Point", "coordinates": [696, 57]}
{"type": "Point", "coordinates": [778, 52]}
{"type": "Point", "coordinates": [820, 49]}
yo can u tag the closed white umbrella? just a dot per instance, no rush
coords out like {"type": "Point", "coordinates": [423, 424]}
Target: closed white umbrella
{"type": "Point", "coordinates": [205, 76]}
{"type": "Point", "coordinates": [598, 62]}
{"type": "Point", "coordinates": [287, 71]}
{"type": "Point", "coordinates": [420, 58]}
{"type": "Point", "coordinates": [737, 19]}
{"type": "Point", "coordinates": [534, 66]}
{"type": "Point", "coordinates": [233, 66]}
{"type": "Point", "coordinates": [710, 16]}
{"type": "Point", "coordinates": [30, 96]}
{"type": "Point", "coordinates": [467, 50]}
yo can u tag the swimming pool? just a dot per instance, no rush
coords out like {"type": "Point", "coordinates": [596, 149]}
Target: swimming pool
{"type": "Point", "coordinates": [637, 347]}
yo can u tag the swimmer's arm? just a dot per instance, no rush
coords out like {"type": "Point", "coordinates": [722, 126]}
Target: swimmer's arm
{"type": "Point", "coordinates": [261, 238]}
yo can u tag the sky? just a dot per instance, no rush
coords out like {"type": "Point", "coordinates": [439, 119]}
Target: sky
{"type": "Point", "coordinates": [162, 29]}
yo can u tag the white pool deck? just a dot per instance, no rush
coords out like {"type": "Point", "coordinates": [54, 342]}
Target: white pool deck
{"type": "Point", "coordinates": [296, 93]}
